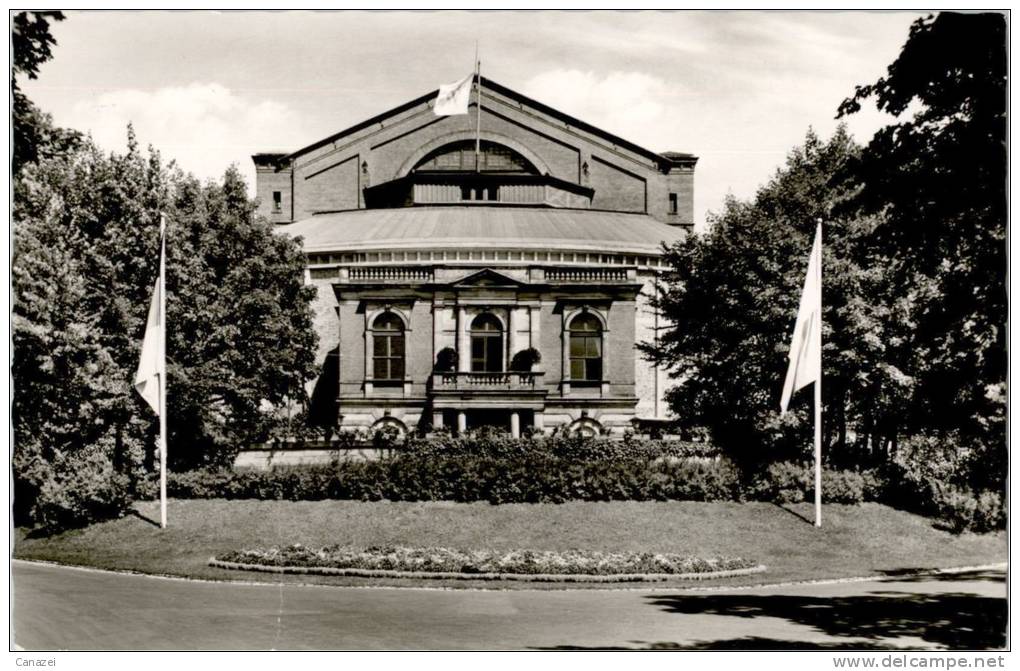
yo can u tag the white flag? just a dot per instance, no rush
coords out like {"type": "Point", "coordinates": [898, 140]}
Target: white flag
{"type": "Point", "coordinates": [151, 363]}
{"type": "Point", "coordinates": [806, 345]}
{"type": "Point", "coordinates": [453, 98]}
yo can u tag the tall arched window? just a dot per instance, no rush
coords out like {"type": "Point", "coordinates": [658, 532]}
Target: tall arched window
{"type": "Point", "coordinates": [388, 349]}
{"type": "Point", "coordinates": [585, 348]}
{"type": "Point", "coordinates": [486, 344]}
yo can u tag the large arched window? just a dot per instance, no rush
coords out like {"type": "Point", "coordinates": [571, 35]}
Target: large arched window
{"type": "Point", "coordinates": [585, 348]}
{"type": "Point", "coordinates": [388, 349]}
{"type": "Point", "coordinates": [460, 157]}
{"type": "Point", "coordinates": [486, 344]}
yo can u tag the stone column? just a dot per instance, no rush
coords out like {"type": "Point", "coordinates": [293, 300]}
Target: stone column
{"type": "Point", "coordinates": [463, 341]}
{"type": "Point", "coordinates": [515, 424]}
{"type": "Point", "coordinates": [534, 335]}
{"type": "Point", "coordinates": [565, 358]}
{"type": "Point", "coordinates": [461, 421]}
{"type": "Point", "coordinates": [369, 352]}
{"type": "Point", "coordinates": [437, 419]}
{"type": "Point", "coordinates": [511, 328]}
{"type": "Point", "coordinates": [437, 326]}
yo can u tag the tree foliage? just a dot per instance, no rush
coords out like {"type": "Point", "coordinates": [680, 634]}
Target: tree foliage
{"type": "Point", "coordinates": [732, 295]}
{"type": "Point", "coordinates": [33, 131]}
{"type": "Point", "coordinates": [914, 279]}
{"type": "Point", "coordinates": [938, 176]}
{"type": "Point", "coordinates": [85, 260]}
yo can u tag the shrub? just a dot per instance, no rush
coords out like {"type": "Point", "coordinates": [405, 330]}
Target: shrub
{"type": "Point", "coordinates": [963, 510]}
{"type": "Point", "coordinates": [199, 484]}
{"type": "Point", "coordinates": [783, 482]}
{"type": "Point", "coordinates": [446, 360]}
{"type": "Point", "coordinates": [457, 476]}
{"type": "Point", "coordinates": [936, 475]}
{"type": "Point", "coordinates": [80, 488]}
{"type": "Point", "coordinates": [525, 360]}
{"type": "Point", "coordinates": [497, 444]}
{"type": "Point", "coordinates": [385, 437]}
{"type": "Point", "coordinates": [449, 560]}
{"type": "Point", "coordinates": [788, 482]}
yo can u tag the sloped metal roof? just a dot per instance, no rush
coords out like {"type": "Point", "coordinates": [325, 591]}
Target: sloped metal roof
{"type": "Point", "coordinates": [477, 227]}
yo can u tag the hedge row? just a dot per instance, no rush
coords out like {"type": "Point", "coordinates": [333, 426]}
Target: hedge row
{"type": "Point", "coordinates": [540, 477]}
{"type": "Point", "coordinates": [530, 479]}
{"type": "Point", "coordinates": [572, 447]}
{"type": "Point", "coordinates": [899, 484]}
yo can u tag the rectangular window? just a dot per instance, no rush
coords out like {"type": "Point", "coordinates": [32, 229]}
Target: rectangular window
{"type": "Point", "coordinates": [585, 358]}
{"type": "Point", "coordinates": [277, 201]}
{"type": "Point", "coordinates": [486, 354]}
{"type": "Point", "coordinates": [673, 205]}
{"type": "Point", "coordinates": [477, 354]}
{"type": "Point", "coordinates": [388, 358]}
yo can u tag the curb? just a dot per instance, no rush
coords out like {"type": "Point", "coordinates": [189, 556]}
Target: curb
{"type": "Point", "coordinates": [715, 588]}
{"type": "Point", "coordinates": [450, 575]}
{"type": "Point", "coordinates": [949, 570]}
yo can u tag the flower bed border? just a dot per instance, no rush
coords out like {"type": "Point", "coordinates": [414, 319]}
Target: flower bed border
{"type": "Point", "coordinates": [452, 575]}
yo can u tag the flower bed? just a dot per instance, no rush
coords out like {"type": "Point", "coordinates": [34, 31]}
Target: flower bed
{"type": "Point", "coordinates": [439, 562]}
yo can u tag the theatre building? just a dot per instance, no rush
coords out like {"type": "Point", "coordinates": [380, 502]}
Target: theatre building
{"type": "Point", "coordinates": [493, 271]}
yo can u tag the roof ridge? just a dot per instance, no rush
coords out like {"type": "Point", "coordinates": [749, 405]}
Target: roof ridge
{"type": "Point", "coordinates": [657, 157]}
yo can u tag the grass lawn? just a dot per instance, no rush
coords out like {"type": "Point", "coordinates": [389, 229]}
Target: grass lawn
{"type": "Point", "coordinates": [855, 540]}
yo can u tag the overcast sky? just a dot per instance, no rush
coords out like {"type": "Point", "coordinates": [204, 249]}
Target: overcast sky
{"type": "Point", "coordinates": [738, 89]}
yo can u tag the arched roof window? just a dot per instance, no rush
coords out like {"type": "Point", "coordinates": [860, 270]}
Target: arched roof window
{"type": "Point", "coordinates": [460, 157]}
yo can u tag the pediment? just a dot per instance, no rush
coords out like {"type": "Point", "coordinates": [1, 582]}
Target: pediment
{"type": "Point", "coordinates": [487, 279]}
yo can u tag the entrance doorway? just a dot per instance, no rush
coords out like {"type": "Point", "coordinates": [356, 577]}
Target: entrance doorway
{"type": "Point", "coordinates": [497, 419]}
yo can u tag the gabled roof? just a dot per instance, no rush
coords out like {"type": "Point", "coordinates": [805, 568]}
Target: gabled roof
{"type": "Point", "coordinates": [661, 159]}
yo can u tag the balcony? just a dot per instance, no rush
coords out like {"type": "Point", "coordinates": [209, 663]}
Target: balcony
{"type": "Point", "coordinates": [507, 381]}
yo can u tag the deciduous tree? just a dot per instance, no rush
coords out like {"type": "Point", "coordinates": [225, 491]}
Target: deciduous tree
{"type": "Point", "coordinates": [85, 260]}
{"type": "Point", "coordinates": [938, 177]}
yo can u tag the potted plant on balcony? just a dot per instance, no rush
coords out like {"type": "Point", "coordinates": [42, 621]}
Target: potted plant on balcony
{"type": "Point", "coordinates": [446, 360]}
{"type": "Point", "coordinates": [524, 360]}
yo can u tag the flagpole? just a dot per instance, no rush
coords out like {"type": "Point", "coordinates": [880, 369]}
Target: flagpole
{"type": "Point", "coordinates": [162, 371]}
{"type": "Point", "coordinates": [818, 392]}
{"type": "Point", "coordinates": [478, 103]}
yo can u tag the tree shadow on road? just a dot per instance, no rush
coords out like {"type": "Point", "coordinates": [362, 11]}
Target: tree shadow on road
{"type": "Point", "coordinates": [928, 575]}
{"type": "Point", "coordinates": [745, 643]}
{"type": "Point", "coordinates": [954, 620]}
{"type": "Point", "coordinates": [885, 620]}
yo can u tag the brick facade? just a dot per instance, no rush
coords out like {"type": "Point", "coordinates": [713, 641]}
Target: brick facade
{"type": "Point", "coordinates": [439, 270]}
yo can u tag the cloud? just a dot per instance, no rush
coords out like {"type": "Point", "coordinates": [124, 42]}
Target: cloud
{"type": "Point", "coordinates": [633, 105]}
{"type": "Point", "coordinates": [203, 126]}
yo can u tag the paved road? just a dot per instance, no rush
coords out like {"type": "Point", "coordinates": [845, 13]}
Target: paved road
{"type": "Point", "coordinates": [58, 608]}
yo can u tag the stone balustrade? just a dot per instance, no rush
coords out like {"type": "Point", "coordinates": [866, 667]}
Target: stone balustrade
{"type": "Point", "coordinates": [505, 380]}
{"type": "Point", "coordinates": [587, 275]}
{"type": "Point", "coordinates": [388, 274]}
